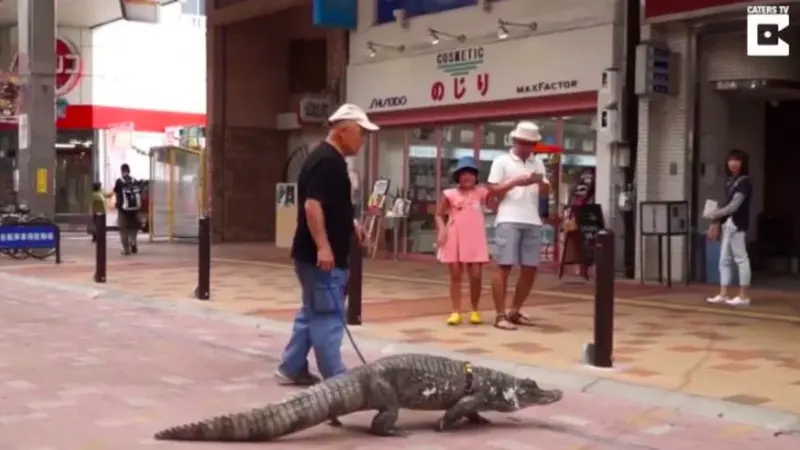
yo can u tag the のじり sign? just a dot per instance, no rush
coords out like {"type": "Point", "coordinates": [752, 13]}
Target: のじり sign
{"type": "Point", "coordinates": [552, 64]}
{"type": "Point", "coordinates": [69, 65]}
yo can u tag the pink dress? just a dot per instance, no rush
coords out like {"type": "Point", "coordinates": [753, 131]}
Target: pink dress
{"type": "Point", "coordinates": [466, 227]}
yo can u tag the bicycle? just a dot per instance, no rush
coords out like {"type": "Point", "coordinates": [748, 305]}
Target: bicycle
{"type": "Point", "coordinates": [15, 214]}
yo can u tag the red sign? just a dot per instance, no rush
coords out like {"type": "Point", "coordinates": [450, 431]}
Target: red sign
{"type": "Point", "coordinates": [69, 65]}
{"type": "Point", "coordinates": [439, 90]}
{"type": "Point", "coordinates": [658, 8]}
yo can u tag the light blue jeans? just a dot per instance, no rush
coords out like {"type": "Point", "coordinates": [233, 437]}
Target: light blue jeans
{"type": "Point", "coordinates": [733, 256]}
{"type": "Point", "coordinates": [319, 323]}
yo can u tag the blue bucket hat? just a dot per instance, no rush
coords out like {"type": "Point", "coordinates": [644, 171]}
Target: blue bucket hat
{"type": "Point", "coordinates": [465, 163]}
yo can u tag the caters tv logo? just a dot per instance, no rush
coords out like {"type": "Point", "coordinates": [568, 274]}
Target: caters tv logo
{"type": "Point", "coordinates": [68, 66]}
{"type": "Point", "coordinates": [767, 28]}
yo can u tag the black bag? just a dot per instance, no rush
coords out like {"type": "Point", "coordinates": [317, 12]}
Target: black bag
{"type": "Point", "coordinates": [131, 195]}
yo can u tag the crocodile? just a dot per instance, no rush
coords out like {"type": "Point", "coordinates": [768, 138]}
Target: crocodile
{"type": "Point", "coordinates": [405, 381]}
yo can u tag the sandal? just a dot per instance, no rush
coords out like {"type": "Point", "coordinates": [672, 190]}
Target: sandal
{"type": "Point", "coordinates": [520, 318]}
{"type": "Point", "coordinates": [501, 322]}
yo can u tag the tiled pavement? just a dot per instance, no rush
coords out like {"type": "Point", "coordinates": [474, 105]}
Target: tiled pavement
{"type": "Point", "coordinates": [80, 371]}
{"type": "Point", "coordinates": [671, 343]}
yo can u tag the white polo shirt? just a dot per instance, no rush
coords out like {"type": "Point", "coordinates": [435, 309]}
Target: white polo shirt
{"type": "Point", "coordinates": [520, 204]}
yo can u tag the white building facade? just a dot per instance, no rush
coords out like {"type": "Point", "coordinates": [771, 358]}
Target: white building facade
{"type": "Point", "coordinates": [453, 81]}
{"type": "Point", "coordinates": [120, 86]}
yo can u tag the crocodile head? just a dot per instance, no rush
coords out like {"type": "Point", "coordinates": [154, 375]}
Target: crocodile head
{"type": "Point", "coordinates": [529, 393]}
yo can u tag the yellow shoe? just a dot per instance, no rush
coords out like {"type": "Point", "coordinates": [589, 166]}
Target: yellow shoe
{"type": "Point", "coordinates": [454, 319]}
{"type": "Point", "coordinates": [475, 318]}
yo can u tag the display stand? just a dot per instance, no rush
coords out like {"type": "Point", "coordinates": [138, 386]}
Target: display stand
{"type": "Point", "coordinates": [285, 214]}
{"type": "Point", "coordinates": [664, 221]}
{"type": "Point", "coordinates": [579, 244]}
{"type": "Point", "coordinates": [373, 221]}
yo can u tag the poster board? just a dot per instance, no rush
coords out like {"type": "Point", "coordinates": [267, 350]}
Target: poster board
{"type": "Point", "coordinates": [285, 214]}
{"type": "Point", "coordinates": [374, 215]}
{"type": "Point", "coordinates": [579, 243]}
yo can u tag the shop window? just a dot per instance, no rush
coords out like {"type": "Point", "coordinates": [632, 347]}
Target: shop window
{"type": "Point", "coordinates": [308, 65]}
{"type": "Point", "coordinates": [193, 7]}
{"type": "Point", "coordinates": [579, 160]}
{"type": "Point", "coordinates": [424, 184]}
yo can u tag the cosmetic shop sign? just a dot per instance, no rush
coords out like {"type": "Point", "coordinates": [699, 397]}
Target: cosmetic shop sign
{"type": "Point", "coordinates": [69, 65]}
{"type": "Point", "coordinates": [549, 65]}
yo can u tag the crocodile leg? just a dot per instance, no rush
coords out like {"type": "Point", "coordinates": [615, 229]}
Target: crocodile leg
{"type": "Point", "coordinates": [384, 398]}
{"type": "Point", "coordinates": [477, 419]}
{"type": "Point", "coordinates": [467, 408]}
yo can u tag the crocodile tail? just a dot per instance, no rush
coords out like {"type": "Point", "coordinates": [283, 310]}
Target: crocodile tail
{"type": "Point", "coordinates": [312, 407]}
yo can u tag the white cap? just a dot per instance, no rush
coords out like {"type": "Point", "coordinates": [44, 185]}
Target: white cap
{"type": "Point", "coordinates": [349, 111]}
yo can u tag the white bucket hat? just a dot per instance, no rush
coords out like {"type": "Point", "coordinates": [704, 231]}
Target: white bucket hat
{"type": "Point", "coordinates": [349, 111]}
{"type": "Point", "coordinates": [526, 131]}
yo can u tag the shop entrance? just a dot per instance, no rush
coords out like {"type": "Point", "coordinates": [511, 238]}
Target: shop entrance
{"type": "Point", "coordinates": [761, 122]}
{"type": "Point", "coordinates": [777, 243]}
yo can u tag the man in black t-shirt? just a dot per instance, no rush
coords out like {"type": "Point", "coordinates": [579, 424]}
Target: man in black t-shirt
{"type": "Point", "coordinates": [128, 195]}
{"type": "Point", "coordinates": [321, 249]}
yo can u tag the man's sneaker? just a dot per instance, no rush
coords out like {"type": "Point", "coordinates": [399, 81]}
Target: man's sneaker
{"type": "Point", "coordinates": [718, 299]}
{"type": "Point", "coordinates": [738, 301]}
{"type": "Point", "coordinates": [307, 379]}
{"type": "Point", "coordinates": [134, 249]}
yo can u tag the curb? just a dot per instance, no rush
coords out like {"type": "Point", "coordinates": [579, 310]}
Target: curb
{"type": "Point", "coordinates": [589, 382]}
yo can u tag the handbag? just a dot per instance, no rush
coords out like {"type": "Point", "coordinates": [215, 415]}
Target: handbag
{"type": "Point", "coordinates": [91, 228]}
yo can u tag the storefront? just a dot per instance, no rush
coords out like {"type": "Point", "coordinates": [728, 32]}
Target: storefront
{"type": "Point", "coordinates": [438, 105]}
{"type": "Point", "coordinates": [726, 100]}
{"type": "Point", "coordinates": [126, 79]}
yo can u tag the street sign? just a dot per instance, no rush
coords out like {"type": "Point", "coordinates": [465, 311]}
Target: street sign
{"type": "Point", "coordinates": [24, 236]}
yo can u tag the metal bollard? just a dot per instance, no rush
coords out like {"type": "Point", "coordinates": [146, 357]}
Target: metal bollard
{"type": "Point", "coordinates": [100, 249]}
{"type": "Point", "coordinates": [354, 284]}
{"type": "Point", "coordinates": [599, 353]}
{"type": "Point", "coordinates": [203, 289]}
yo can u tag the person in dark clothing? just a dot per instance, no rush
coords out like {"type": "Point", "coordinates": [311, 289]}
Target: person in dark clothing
{"type": "Point", "coordinates": [128, 193]}
{"type": "Point", "coordinates": [731, 222]}
{"type": "Point", "coordinates": [321, 247]}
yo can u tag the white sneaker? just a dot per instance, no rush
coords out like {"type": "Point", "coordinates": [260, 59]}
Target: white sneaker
{"type": "Point", "coordinates": [717, 299]}
{"type": "Point", "coordinates": [738, 301]}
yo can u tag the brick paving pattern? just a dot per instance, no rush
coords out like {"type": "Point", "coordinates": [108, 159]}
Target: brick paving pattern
{"type": "Point", "coordinates": [82, 372]}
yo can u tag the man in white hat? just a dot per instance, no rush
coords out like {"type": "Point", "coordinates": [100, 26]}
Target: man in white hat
{"type": "Point", "coordinates": [518, 226]}
{"type": "Point", "coordinates": [321, 248]}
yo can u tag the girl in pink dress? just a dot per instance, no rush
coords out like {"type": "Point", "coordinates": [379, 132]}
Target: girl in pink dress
{"type": "Point", "coordinates": [461, 238]}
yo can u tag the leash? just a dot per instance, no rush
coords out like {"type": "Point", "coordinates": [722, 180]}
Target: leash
{"type": "Point", "coordinates": [340, 313]}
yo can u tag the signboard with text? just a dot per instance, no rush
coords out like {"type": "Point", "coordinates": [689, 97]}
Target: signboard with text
{"type": "Point", "coordinates": [69, 66]}
{"type": "Point", "coordinates": [547, 65]}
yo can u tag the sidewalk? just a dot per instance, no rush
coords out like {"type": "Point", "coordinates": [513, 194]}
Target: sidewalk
{"type": "Point", "coordinates": [105, 372]}
{"type": "Point", "coordinates": [672, 342]}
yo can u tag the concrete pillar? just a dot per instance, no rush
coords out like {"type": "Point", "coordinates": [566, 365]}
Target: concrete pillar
{"type": "Point", "coordinates": [37, 130]}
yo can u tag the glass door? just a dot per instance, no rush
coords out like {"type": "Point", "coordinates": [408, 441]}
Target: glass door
{"type": "Point", "coordinates": [423, 188]}
{"type": "Point", "coordinates": [74, 174]}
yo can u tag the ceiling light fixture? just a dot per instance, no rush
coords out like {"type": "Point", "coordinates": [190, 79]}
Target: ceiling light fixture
{"type": "Point", "coordinates": [436, 36]}
{"type": "Point", "coordinates": [372, 48]}
{"type": "Point", "coordinates": [502, 27]}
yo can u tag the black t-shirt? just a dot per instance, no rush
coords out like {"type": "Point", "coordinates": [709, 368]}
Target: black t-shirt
{"type": "Point", "coordinates": [740, 185]}
{"type": "Point", "coordinates": [324, 178]}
